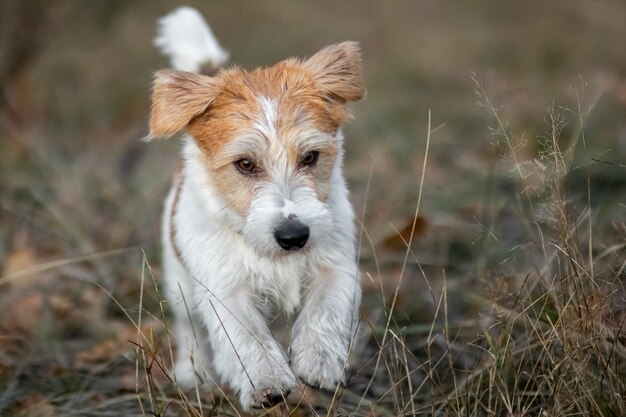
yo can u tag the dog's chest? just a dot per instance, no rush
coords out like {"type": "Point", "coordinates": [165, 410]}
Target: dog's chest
{"type": "Point", "coordinates": [277, 285]}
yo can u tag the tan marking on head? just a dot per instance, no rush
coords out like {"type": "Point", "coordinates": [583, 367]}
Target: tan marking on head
{"type": "Point", "coordinates": [337, 71]}
{"type": "Point", "coordinates": [177, 97]}
{"type": "Point", "coordinates": [318, 177]}
{"type": "Point", "coordinates": [231, 111]}
{"type": "Point", "coordinates": [236, 189]}
{"type": "Point", "coordinates": [309, 96]}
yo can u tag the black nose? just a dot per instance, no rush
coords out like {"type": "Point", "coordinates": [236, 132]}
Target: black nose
{"type": "Point", "coordinates": [292, 235]}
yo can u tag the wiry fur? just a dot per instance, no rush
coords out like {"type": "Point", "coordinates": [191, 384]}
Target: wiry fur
{"type": "Point", "coordinates": [179, 97]}
{"type": "Point", "coordinates": [225, 274]}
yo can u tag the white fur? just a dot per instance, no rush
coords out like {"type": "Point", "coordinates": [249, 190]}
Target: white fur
{"type": "Point", "coordinates": [231, 275]}
{"type": "Point", "coordinates": [187, 39]}
{"type": "Point", "coordinates": [266, 125]}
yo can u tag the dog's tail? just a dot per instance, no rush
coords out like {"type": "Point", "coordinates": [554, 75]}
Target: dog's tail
{"type": "Point", "coordinates": [186, 38]}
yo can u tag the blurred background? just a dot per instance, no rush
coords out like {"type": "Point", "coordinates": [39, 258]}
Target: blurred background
{"type": "Point", "coordinates": [81, 194]}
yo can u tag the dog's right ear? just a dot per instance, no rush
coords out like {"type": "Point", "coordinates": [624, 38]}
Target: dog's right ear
{"type": "Point", "coordinates": [177, 97]}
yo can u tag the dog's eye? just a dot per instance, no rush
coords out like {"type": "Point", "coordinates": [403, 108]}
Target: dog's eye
{"type": "Point", "coordinates": [246, 166]}
{"type": "Point", "coordinates": [310, 158]}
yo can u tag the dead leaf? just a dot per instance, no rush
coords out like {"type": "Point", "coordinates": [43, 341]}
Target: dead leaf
{"type": "Point", "coordinates": [34, 406]}
{"type": "Point", "coordinates": [21, 259]}
{"type": "Point", "coordinates": [399, 239]}
{"type": "Point", "coordinates": [100, 353]}
{"type": "Point", "coordinates": [22, 313]}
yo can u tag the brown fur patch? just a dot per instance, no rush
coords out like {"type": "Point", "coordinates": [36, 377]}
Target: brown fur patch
{"type": "Point", "coordinates": [308, 96]}
{"type": "Point", "coordinates": [177, 97]}
{"type": "Point", "coordinates": [337, 71]}
{"type": "Point", "coordinates": [179, 185]}
{"type": "Point", "coordinates": [234, 187]}
{"type": "Point", "coordinates": [316, 90]}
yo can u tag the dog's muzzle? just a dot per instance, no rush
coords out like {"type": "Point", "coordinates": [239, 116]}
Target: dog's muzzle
{"type": "Point", "coordinates": [292, 235]}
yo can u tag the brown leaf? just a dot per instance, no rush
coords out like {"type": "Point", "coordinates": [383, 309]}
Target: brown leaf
{"type": "Point", "coordinates": [34, 406]}
{"type": "Point", "coordinates": [399, 239]}
{"type": "Point", "coordinates": [19, 260]}
{"type": "Point", "coordinates": [22, 313]}
{"type": "Point", "coordinates": [99, 353]}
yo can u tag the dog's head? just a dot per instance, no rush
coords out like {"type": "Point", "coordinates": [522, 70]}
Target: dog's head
{"type": "Point", "coordinates": [269, 139]}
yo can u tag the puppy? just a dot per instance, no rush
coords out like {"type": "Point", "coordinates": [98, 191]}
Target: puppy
{"type": "Point", "coordinates": [258, 220]}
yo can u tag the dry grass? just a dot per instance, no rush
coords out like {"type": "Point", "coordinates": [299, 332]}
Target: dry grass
{"type": "Point", "coordinates": [493, 243]}
{"type": "Point", "coordinates": [552, 341]}
{"type": "Point", "coordinates": [548, 339]}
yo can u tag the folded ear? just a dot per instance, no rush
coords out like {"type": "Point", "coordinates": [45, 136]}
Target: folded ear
{"type": "Point", "coordinates": [177, 97]}
{"type": "Point", "coordinates": [337, 72]}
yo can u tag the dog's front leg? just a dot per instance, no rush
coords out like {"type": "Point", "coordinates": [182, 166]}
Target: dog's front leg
{"type": "Point", "coordinates": [246, 356]}
{"type": "Point", "coordinates": [324, 329]}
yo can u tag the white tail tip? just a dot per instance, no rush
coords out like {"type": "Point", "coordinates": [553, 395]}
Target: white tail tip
{"type": "Point", "coordinates": [186, 38]}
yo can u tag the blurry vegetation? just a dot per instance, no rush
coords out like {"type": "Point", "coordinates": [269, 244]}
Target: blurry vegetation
{"type": "Point", "coordinates": [511, 299]}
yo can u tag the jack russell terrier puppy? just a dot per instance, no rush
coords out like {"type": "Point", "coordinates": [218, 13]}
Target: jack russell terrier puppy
{"type": "Point", "coordinates": [258, 220]}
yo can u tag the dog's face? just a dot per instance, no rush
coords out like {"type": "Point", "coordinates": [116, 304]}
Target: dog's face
{"type": "Point", "coordinates": [268, 139]}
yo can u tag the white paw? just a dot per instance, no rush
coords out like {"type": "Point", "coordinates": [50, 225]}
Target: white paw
{"type": "Point", "coordinates": [184, 375]}
{"type": "Point", "coordinates": [267, 388]}
{"type": "Point", "coordinates": [187, 376]}
{"type": "Point", "coordinates": [318, 366]}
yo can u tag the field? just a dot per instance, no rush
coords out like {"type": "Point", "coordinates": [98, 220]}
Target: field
{"type": "Point", "coordinates": [487, 168]}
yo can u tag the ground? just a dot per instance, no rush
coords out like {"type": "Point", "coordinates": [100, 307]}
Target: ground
{"type": "Point", "coordinates": [492, 145]}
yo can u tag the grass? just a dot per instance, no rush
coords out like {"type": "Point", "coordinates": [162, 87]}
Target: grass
{"type": "Point", "coordinates": [492, 237]}
{"type": "Point", "coordinates": [548, 339]}
{"type": "Point", "coordinates": [552, 341]}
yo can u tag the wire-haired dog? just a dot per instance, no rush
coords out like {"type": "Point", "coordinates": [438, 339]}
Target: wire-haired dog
{"type": "Point", "coordinates": [258, 219]}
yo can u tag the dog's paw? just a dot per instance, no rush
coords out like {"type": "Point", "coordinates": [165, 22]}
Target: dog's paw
{"type": "Point", "coordinates": [188, 377]}
{"type": "Point", "coordinates": [267, 397]}
{"type": "Point", "coordinates": [184, 375]}
{"type": "Point", "coordinates": [317, 367]}
{"type": "Point", "coordinates": [268, 391]}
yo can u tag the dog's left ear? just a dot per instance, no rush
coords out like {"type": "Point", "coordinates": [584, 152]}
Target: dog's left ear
{"type": "Point", "coordinates": [337, 71]}
{"type": "Point", "coordinates": [177, 97]}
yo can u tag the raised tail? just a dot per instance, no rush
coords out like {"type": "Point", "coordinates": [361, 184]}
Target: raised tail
{"type": "Point", "coordinates": [186, 38]}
